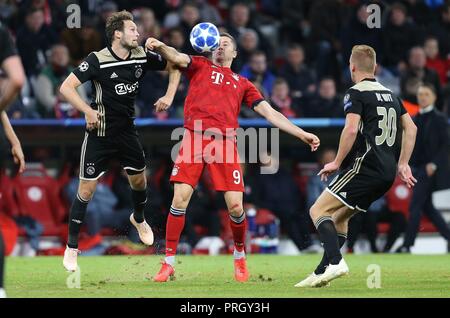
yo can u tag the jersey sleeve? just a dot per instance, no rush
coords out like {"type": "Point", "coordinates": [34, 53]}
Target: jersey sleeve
{"type": "Point", "coordinates": [252, 96]}
{"type": "Point", "coordinates": [195, 64]}
{"type": "Point", "coordinates": [352, 102]}
{"type": "Point", "coordinates": [402, 107]}
{"type": "Point", "coordinates": [155, 61]}
{"type": "Point", "coordinates": [6, 45]}
{"type": "Point", "coordinates": [88, 69]}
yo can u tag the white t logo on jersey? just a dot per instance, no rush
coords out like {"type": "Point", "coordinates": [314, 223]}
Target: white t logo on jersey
{"type": "Point", "coordinates": [217, 77]}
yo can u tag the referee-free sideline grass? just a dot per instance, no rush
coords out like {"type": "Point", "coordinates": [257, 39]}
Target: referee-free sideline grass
{"type": "Point", "coordinates": [212, 276]}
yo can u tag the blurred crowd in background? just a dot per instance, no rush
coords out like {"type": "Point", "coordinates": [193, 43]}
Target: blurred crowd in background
{"type": "Point", "coordinates": [296, 52]}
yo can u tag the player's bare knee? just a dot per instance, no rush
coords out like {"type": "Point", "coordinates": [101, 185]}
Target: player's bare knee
{"type": "Point", "coordinates": [86, 193]}
{"type": "Point", "coordinates": [314, 212]}
{"type": "Point", "coordinates": [180, 201]}
{"type": "Point", "coordinates": [236, 209]}
{"type": "Point", "coordinates": [138, 183]}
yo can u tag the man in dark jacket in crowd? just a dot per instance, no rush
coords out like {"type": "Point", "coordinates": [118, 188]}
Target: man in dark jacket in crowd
{"type": "Point", "coordinates": [429, 163]}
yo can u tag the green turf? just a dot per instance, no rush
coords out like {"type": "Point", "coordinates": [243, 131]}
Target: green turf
{"type": "Point", "coordinates": [204, 276]}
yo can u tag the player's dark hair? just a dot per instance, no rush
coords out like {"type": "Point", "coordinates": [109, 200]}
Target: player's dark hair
{"type": "Point", "coordinates": [429, 86]}
{"type": "Point", "coordinates": [228, 35]}
{"type": "Point", "coordinates": [116, 23]}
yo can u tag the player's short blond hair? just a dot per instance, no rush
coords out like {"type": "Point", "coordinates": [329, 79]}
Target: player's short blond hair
{"type": "Point", "coordinates": [364, 58]}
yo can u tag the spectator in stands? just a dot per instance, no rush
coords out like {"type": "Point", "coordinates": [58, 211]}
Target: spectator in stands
{"type": "Point", "coordinates": [326, 103]}
{"type": "Point", "coordinates": [300, 78]}
{"type": "Point", "coordinates": [423, 12]}
{"type": "Point", "coordinates": [147, 25]}
{"type": "Point", "coordinates": [208, 12]}
{"type": "Point", "coordinates": [417, 73]}
{"type": "Point", "coordinates": [399, 36]}
{"type": "Point", "coordinates": [34, 38]}
{"type": "Point", "coordinates": [435, 61]}
{"type": "Point", "coordinates": [429, 162]}
{"type": "Point", "coordinates": [367, 222]}
{"type": "Point", "coordinates": [441, 28]}
{"type": "Point", "coordinates": [54, 12]}
{"type": "Point", "coordinates": [107, 8]}
{"type": "Point", "coordinates": [294, 21]}
{"type": "Point", "coordinates": [82, 41]}
{"type": "Point", "coordinates": [356, 32]}
{"type": "Point", "coordinates": [257, 71]}
{"type": "Point", "coordinates": [279, 186]}
{"type": "Point", "coordinates": [248, 43]}
{"type": "Point", "coordinates": [239, 21]}
{"type": "Point", "coordinates": [176, 38]}
{"type": "Point", "coordinates": [280, 99]}
{"type": "Point", "coordinates": [190, 16]}
{"type": "Point", "coordinates": [51, 104]}
{"type": "Point", "coordinates": [326, 19]}
{"type": "Point", "coordinates": [315, 186]}
{"type": "Point", "coordinates": [386, 78]}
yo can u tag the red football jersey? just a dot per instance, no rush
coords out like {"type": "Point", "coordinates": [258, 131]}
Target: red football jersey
{"type": "Point", "coordinates": [215, 95]}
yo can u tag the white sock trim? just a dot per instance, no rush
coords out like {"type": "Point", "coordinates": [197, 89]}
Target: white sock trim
{"type": "Point", "coordinates": [238, 255]}
{"type": "Point", "coordinates": [170, 260]}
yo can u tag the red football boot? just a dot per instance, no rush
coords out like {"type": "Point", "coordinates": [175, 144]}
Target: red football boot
{"type": "Point", "coordinates": [240, 270]}
{"type": "Point", "coordinates": [165, 273]}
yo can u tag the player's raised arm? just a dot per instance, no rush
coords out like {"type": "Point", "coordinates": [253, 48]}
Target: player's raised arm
{"type": "Point", "coordinates": [279, 120]}
{"type": "Point", "coordinates": [169, 53]}
{"type": "Point", "coordinates": [348, 137]}
{"type": "Point", "coordinates": [408, 141]}
{"type": "Point", "coordinates": [165, 102]}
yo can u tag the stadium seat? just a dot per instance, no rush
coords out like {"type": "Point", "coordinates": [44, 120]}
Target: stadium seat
{"type": "Point", "coordinates": [7, 200]}
{"type": "Point", "coordinates": [38, 196]}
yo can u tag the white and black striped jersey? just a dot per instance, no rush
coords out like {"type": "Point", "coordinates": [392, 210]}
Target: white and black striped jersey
{"type": "Point", "coordinates": [115, 84]}
{"type": "Point", "coordinates": [378, 144]}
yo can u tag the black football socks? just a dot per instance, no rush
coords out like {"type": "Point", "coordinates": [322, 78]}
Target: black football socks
{"type": "Point", "coordinates": [329, 237]}
{"type": "Point", "coordinates": [342, 237]}
{"type": "Point", "coordinates": [76, 218]}
{"type": "Point", "coordinates": [139, 200]}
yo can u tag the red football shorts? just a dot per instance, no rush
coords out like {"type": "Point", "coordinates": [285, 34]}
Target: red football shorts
{"type": "Point", "coordinates": [218, 153]}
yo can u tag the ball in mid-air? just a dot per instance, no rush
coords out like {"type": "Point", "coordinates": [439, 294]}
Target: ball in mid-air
{"type": "Point", "coordinates": [205, 37]}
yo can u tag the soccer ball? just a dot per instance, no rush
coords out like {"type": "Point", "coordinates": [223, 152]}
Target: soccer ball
{"type": "Point", "coordinates": [204, 37]}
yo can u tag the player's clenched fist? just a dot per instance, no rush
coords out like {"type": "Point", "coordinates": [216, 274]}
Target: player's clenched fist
{"type": "Point", "coordinates": [153, 44]}
{"type": "Point", "coordinates": [92, 119]}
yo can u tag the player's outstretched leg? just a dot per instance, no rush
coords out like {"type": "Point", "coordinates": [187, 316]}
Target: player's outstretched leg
{"type": "Point", "coordinates": [238, 225]}
{"type": "Point", "coordinates": [2, 265]}
{"type": "Point", "coordinates": [335, 270]}
{"type": "Point", "coordinates": [138, 186]}
{"type": "Point", "coordinates": [340, 219]}
{"type": "Point", "coordinates": [321, 214]}
{"type": "Point", "coordinates": [174, 227]}
{"type": "Point", "coordinates": [76, 219]}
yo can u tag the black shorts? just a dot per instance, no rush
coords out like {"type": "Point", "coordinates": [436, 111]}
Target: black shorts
{"type": "Point", "coordinates": [358, 188]}
{"type": "Point", "coordinates": [97, 151]}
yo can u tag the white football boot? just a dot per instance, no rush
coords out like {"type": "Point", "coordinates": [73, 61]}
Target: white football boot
{"type": "Point", "coordinates": [144, 230]}
{"type": "Point", "coordinates": [332, 272]}
{"type": "Point", "coordinates": [70, 259]}
{"type": "Point", "coordinates": [2, 293]}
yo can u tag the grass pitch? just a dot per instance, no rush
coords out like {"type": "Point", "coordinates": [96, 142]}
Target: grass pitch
{"type": "Point", "coordinates": [208, 276]}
